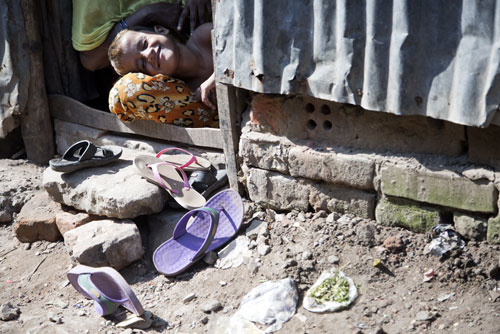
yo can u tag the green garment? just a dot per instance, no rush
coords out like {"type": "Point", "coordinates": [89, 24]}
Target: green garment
{"type": "Point", "coordinates": [94, 19]}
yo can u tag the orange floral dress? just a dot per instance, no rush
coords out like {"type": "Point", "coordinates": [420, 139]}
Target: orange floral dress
{"type": "Point", "coordinates": [160, 98]}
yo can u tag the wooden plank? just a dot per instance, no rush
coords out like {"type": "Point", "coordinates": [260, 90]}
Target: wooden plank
{"type": "Point", "coordinates": [496, 119]}
{"type": "Point", "coordinates": [229, 115]}
{"type": "Point", "coordinates": [70, 110]}
{"type": "Point", "coordinates": [36, 128]}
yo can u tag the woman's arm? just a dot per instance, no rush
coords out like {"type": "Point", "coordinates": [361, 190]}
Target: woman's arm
{"type": "Point", "coordinates": [161, 13]}
{"type": "Point", "coordinates": [207, 94]}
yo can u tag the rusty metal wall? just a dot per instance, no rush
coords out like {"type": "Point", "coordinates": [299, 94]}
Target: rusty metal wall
{"type": "Point", "coordinates": [437, 58]}
{"type": "Point", "coordinates": [14, 70]}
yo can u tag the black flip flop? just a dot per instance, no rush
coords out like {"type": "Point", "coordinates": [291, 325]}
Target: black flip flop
{"type": "Point", "coordinates": [84, 154]}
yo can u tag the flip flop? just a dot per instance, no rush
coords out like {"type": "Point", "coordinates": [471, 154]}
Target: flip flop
{"type": "Point", "coordinates": [212, 227]}
{"type": "Point", "coordinates": [84, 154]}
{"type": "Point", "coordinates": [189, 162]}
{"type": "Point", "coordinates": [206, 182]}
{"type": "Point", "coordinates": [106, 287]}
{"type": "Point", "coordinates": [166, 176]}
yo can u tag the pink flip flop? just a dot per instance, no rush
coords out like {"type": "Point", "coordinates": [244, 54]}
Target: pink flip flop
{"type": "Point", "coordinates": [214, 225]}
{"type": "Point", "coordinates": [106, 287]}
{"type": "Point", "coordinates": [188, 162]}
{"type": "Point", "coordinates": [171, 178]}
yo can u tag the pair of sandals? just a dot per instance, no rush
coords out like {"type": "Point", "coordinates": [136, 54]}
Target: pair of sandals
{"type": "Point", "coordinates": [198, 232]}
{"type": "Point", "coordinates": [169, 171]}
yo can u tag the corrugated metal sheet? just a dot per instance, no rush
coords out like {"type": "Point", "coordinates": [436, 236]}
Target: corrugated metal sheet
{"type": "Point", "coordinates": [438, 58]}
{"type": "Point", "coordinates": [14, 71]}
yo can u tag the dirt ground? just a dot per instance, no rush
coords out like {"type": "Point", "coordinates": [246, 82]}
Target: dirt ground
{"type": "Point", "coordinates": [463, 296]}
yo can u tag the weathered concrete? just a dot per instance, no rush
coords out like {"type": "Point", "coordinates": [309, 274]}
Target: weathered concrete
{"type": "Point", "coordinates": [265, 151]}
{"type": "Point", "coordinates": [471, 228]}
{"type": "Point", "coordinates": [352, 170]}
{"type": "Point", "coordinates": [115, 190]}
{"type": "Point", "coordinates": [441, 188]}
{"type": "Point", "coordinates": [37, 219]}
{"type": "Point", "coordinates": [109, 242]}
{"type": "Point", "coordinates": [396, 212]}
{"type": "Point", "coordinates": [493, 233]}
{"type": "Point", "coordinates": [283, 192]}
{"type": "Point", "coordinates": [275, 153]}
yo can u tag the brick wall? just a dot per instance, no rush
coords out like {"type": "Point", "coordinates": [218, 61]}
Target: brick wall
{"type": "Point", "coordinates": [411, 171]}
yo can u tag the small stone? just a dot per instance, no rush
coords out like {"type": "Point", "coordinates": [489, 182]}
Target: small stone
{"type": "Point", "coordinates": [307, 265]}
{"type": "Point", "coordinates": [211, 306]}
{"type": "Point", "coordinates": [222, 283]}
{"type": "Point", "coordinates": [189, 297]}
{"type": "Point", "coordinates": [301, 217]}
{"type": "Point", "coordinates": [332, 217]}
{"type": "Point", "coordinates": [55, 318]}
{"type": "Point", "coordinates": [133, 321]}
{"type": "Point", "coordinates": [263, 249]}
{"type": "Point", "coordinates": [210, 258]}
{"type": "Point", "coordinates": [204, 320]}
{"type": "Point", "coordinates": [333, 259]}
{"type": "Point", "coordinates": [291, 263]}
{"type": "Point", "coordinates": [423, 316]}
{"type": "Point", "coordinates": [494, 271]}
{"type": "Point", "coordinates": [8, 312]}
{"type": "Point", "coordinates": [306, 255]}
{"type": "Point", "coordinates": [394, 244]}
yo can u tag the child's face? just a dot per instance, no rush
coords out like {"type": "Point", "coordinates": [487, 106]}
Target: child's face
{"type": "Point", "coordinates": [149, 52]}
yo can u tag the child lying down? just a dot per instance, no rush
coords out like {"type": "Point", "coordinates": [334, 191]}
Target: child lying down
{"type": "Point", "coordinates": [149, 59]}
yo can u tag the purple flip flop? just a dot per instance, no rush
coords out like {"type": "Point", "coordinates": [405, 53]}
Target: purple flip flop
{"type": "Point", "coordinates": [213, 225]}
{"type": "Point", "coordinates": [106, 287]}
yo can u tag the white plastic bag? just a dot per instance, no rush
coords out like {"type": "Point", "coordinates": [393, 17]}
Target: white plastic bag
{"type": "Point", "coordinates": [312, 305]}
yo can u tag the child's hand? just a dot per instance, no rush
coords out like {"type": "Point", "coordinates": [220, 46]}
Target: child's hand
{"type": "Point", "coordinates": [197, 10]}
{"type": "Point", "coordinates": [206, 93]}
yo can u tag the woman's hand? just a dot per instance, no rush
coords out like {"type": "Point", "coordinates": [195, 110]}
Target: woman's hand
{"type": "Point", "coordinates": [206, 93]}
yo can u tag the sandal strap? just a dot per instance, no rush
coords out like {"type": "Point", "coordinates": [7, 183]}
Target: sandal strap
{"type": "Point", "coordinates": [190, 161]}
{"type": "Point", "coordinates": [83, 149]}
{"type": "Point", "coordinates": [156, 173]}
{"type": "Point", "coordinates": [180, 229]}
{"type": "Point", "coordinates": [107, 303]}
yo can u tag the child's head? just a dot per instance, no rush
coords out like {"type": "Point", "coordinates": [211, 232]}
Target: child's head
{"type": "Point", "coordinates": [144, 49]}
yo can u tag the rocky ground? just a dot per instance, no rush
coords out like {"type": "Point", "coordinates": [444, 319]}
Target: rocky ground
{"type": "Point", "coordinates": [412, 291]}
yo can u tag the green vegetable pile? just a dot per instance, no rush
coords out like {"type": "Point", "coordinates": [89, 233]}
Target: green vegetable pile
{"type": "Point", "coordinates": [332, 289]}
